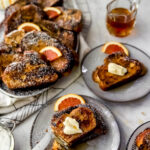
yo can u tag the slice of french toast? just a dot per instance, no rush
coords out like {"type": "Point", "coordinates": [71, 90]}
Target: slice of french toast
{"type": "Point", "coordinates": [90, 122]}
{"type": "Point", "coordinates": [37, 40]}
{"type": "Point", "coordinates": [108, 80]}
{"type": "Point", "coordinates": [70, 19]}
{"type": "Point", "coordinates": [8, 54]}
{"type": "Point", "coordinates": [66, 37]}
{"type": "Point", "coordinates": [30, 71]}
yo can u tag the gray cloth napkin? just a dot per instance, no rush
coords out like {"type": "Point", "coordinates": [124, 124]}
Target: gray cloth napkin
{"type": "Point", "coordinates": [22, 109]}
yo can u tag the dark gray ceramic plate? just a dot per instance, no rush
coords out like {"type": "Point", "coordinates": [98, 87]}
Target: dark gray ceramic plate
{"type": "Point", "coordinates": [128, 92]}
{"type": "Point", "coordinates": [110, 141]}
{"type": "Point", "coordinates": [131, 145]}
{"type": "Point", "coordinates": [28, 92]}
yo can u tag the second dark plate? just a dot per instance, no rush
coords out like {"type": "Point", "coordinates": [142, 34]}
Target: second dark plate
{"type": "Point", "coordinates": [128, 92]}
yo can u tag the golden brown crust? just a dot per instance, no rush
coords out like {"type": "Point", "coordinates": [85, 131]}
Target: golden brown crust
{"type": "Point", "coordinates": [27, 13]}
{"type": "Point", "coordinates": [87, 123]}
{"type": "Point", "coordinates": [67, 37]}
{"type": "Point", "coordinates": [56, 146]}
{"type": "Point", "coordinates": [95, 75]}
{"type": "Point", "coordinates": [8, 54]}
{"type": "Point", "coordinates": [41, 3]}
{"type": "Point", "coordinates": [31, 71]}
{"type": "Point", "coordinates": [108, 80]}
{"type": "Point", "coordinates": [38, 40]}
{"type": "Point", "coordinates": [14, 38]}
{"type": "Point", "coordinates": [70, 19]}
{"type": "Point", "coordinates": [90, 122]}
{"type": "Point", "coordinates": [5, 62]}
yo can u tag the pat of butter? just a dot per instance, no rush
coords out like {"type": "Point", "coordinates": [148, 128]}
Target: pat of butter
{"type": "Point", "coordinates": [117, 69]}
{"type": "Point", "coordinates": [71, 126]}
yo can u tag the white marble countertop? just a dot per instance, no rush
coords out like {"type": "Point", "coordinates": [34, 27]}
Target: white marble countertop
{"type": "Point", "coordinates": [129, 115]}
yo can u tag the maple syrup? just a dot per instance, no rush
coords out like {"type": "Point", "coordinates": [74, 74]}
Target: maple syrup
{"type": "Point", "coordinates": [120, 22]}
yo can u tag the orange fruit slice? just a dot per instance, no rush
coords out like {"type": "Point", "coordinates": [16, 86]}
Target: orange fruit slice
{"type": "Point", "coordinates": [28, 26]}
{"type": "Point", "coordinates": [68, 101]}
{"type": "Point", "coordinates": [140, 137]}
{"type": "Point", "coordinates": [51, 53]}
{"type": "Point", "coordinates": [52, 12]}
{"type": "Point", "coordinates": [112, 47]}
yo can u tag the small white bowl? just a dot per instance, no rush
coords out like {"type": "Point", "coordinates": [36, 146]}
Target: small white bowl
{"type": "Point", "coordinates": [10, 135]}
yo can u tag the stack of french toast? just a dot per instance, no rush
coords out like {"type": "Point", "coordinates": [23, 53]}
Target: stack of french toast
{"type": "Point", "coordinates": [39, 41]}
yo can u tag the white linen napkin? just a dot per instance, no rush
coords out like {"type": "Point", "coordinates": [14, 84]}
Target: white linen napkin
{"type": "Point", "coordinates": [20, 109]}
{"type": "Point", "coordinates": [6, 101]}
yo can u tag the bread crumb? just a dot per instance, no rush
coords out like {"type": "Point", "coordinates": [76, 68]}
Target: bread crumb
{"type": "Point", "coordinates": [143, 113]}
{"type": "Point", "coordinates": [46, 130]}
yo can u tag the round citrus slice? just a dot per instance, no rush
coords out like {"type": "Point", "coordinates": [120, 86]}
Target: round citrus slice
{"type": "Point", "coordinates": [68, 101]}
{"type": "Point", "coordinates": [112, 47]}
{"type": "Point", "coordinates": [51, 53]}
{"type": "Point", "coordinates": [52, 12]}
{"type": "Point", "coordinates": [28, 26]}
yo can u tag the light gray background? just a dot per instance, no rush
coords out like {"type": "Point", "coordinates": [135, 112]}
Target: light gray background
{"type": "Point", "coordinates": [129, 115]}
